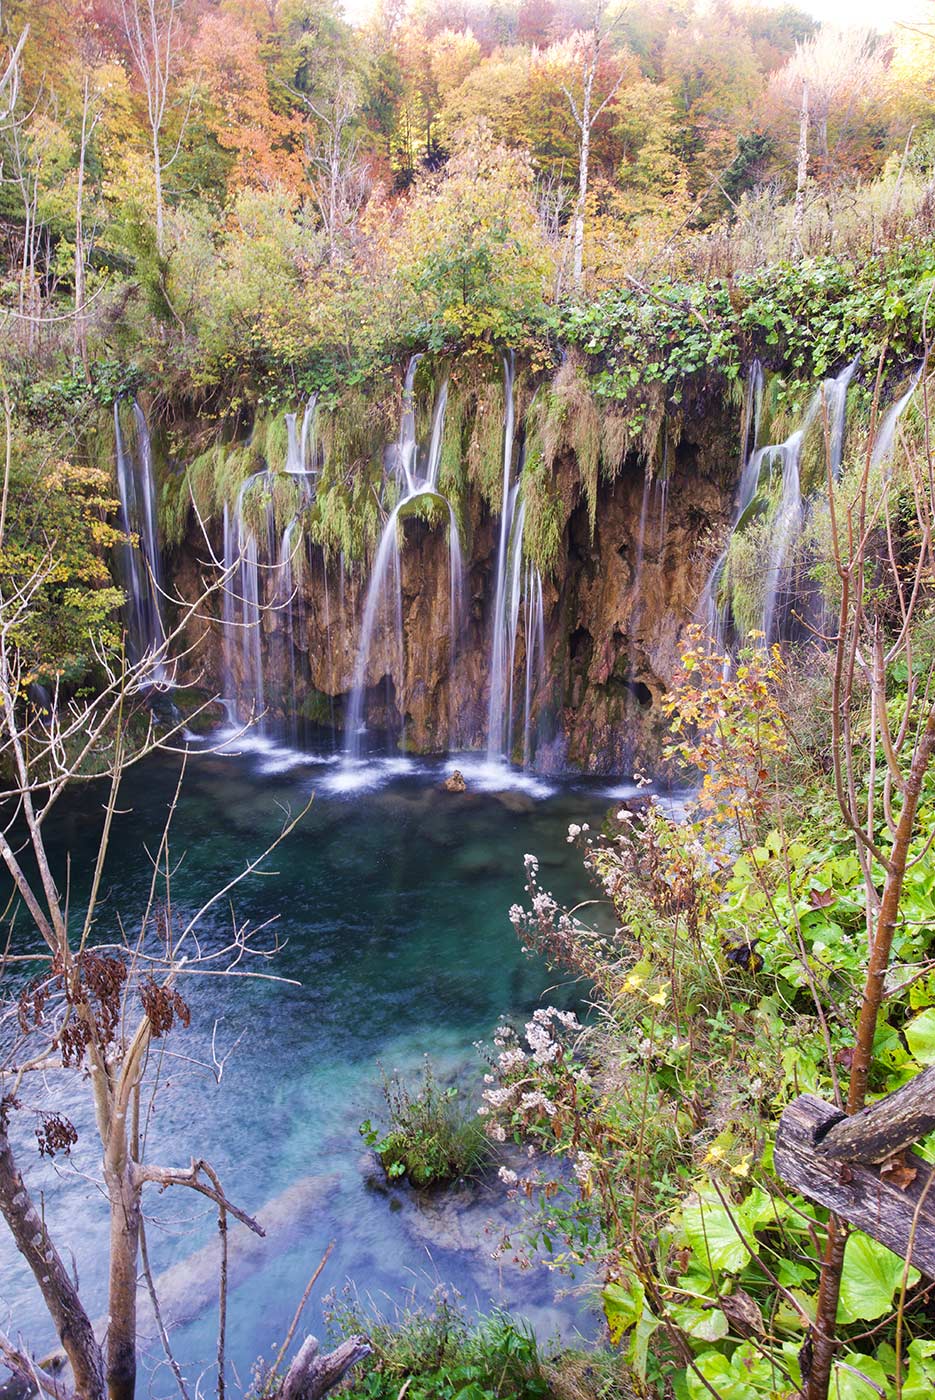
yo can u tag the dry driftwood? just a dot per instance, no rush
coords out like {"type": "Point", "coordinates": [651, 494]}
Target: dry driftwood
{"type": "Point", "coordinates": [311, 1376]}
{"type": "Point", "coordinates": [897, 1207]}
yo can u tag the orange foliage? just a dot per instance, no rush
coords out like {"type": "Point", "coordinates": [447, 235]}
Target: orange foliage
{"type": "Point", "coordinates": [225, 62]}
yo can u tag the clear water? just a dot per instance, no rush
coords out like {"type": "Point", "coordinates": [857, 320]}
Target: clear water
{"type": "Point", "coordinates": [391, 902]}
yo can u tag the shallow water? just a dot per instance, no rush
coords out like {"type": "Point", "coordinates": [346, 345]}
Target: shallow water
{"type": "Point", "coordinates": [390, 902]}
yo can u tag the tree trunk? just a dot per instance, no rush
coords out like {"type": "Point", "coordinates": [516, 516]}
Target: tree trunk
{"type": "Point", "coordinates": [157, 178]}
{"type": "Point", "coordinates": [81, 343]}
{"type": "Point", "coordinates": [801, 173]}
{"type": "Point", "coordinates": [583, 160]}
{"type": "Point", "coordinates": [124, 1193]}
{"type": "Point", "coordinates": [59, 1293]}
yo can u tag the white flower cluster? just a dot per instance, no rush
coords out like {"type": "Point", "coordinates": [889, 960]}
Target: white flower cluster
{"type": "Point", "coordinates": [544, 1046]}
{"type": "Point", "coordinates": [536, 1100]}
{"type": "Point", "coordinates": [583, 1167]}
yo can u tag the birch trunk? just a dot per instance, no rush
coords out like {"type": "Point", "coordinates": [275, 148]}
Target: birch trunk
{"type": "Point", "coordinates": [583, 162]}
{"type": "Point", "coordinates": [801, 172]}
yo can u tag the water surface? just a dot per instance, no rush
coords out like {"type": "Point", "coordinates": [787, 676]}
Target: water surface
{"type": "Point", "coordinates": [390, 905]}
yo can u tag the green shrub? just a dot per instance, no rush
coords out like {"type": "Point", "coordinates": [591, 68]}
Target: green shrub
{"type": "Point", "coordinates": [432, 1353]}
{"type": "Point", "coordinates": [431, 1139]}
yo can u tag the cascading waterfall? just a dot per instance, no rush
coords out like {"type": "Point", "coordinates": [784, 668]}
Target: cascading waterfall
{"type": "Point", "coordinates": [534, 624]}
{"type": "Point", "coordinates": [243, 644]}
{"type": "Point", "coordinates": [886, 433]}
{"type": "Point", "coordinates": [301, 452]}
{"type": "Point", "coordinates": [385, 585]}
{"type": "Point", "coordinates": [829, 400]}
{"type": "Point", "coordinates": [140, 564]}
{"type": "Point", "coordinates": [290, 607]}
{"type": "Point", "coordinates": [500, 631]}
{"type": "Point", "coordinates": [761, 464]}
{"type": "Point", "coordinates": [516, 586]}
{"type": "Point", "coordinates": [251, 553]}
{"type": "Point", "coordinates": [718, 614]}
{"type": "Point", "coordinates": [786, 524]}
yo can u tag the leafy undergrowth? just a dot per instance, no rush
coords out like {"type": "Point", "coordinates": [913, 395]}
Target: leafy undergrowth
{"type": "Point", "coordinates": [728, 988]}
{"type": "Point", "coordinates": [433, 1352]}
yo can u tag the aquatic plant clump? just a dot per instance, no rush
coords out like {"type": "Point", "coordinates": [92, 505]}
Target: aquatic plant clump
{"type": "Point", "coordinates": [432, 1138]}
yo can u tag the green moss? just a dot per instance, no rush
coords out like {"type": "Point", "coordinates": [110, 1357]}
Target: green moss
{"type": "Point", "coordinates": [485, 449]}
{"type": "Point", "coordinates": [428, 506]}
{"type": "Point", "coordinates": [542, 534]}
{"type": "Point", "coordinates": [452, 467]}
{"type": "Point", "coordinates": [743, 578]}
{"type": "Point", "coordinates": [566, 419]}
{"type": "Point", "coordinates": [271, 440]}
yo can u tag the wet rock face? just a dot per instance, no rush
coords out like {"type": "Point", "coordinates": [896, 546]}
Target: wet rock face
{"type": "Point", "coordinates": [614, 614]}
{"type": "Point", "coordinates": [626, 599]}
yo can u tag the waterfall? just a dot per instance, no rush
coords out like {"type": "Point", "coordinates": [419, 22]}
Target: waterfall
{"type": "Point", "coordinates": [886, 433]}
{"type": "Point", "coordinates": [405, 448]}
{"type": "Point", "coordinates": [500, 631]}
{"type": "Point", "coordinates": [829, 401]}
{"type": "Point", "coordinates": [760, 464]}
{"type": "Point", "coordinates": [835, 401]}
{"type": "Point", "coordinates": [290, 602]}
{"type": "Point", "coordinates": [140, 564]}
{"type": "Point", "coordinates": [438, 433]}
{"type": "Point", "coordinates": [243, 643]}
{"type": "Point", "coordinates": [718, 614]}
{"type": "Point", "coordinates": [301, 453]}
{"type": "Point", "coordinates": [786, 524]}
{"type": "Point", "coordinates": [517, 588]}
{"type": "Point", "coordinates": [385, 583]}
{"type": "Point", "coordinates": [534, 622]}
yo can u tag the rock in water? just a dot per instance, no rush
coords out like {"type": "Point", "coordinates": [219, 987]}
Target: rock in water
{"type": "Point", "coordinates": [455, 782]}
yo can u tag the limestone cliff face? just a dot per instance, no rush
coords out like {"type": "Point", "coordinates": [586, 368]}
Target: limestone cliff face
{"type": "Point", "coordinates": [613, 615]}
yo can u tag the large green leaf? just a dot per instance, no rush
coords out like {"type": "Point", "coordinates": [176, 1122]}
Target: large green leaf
{"type": "Point", "coordinates": [920, 1033]}
{"type": "Point", "coordinates": [919, 1383]}
{"type": "Point", "coordinates": [705, 1324]}
{"type": "Point", "coordinates": [623, 1306]}
{"type": "Point", "coordinates": [872, 1274]}
{"type": "Point", "coordinates": [711, 1232]}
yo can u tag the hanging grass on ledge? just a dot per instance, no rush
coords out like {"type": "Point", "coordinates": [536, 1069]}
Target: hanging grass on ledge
{"type": "Point", "coordinates": [432, 1139]}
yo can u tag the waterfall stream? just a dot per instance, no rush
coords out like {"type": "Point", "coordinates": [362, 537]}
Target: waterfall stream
{"type": "Point", "coordinates": [516, 585]}
{"type": "Point", "coordinates": [384, 589]}
{"type": "Point", "coordinates": [140, 565]}
{"type": "Point", "coordinates": [761, 466]}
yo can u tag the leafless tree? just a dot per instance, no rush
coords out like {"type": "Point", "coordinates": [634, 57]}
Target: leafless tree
{"type": "Point", "coordinates": [586, 107]}
{"type": "Point", "coordinates": [152, 30]}
{"type": "Point", "coordinates": [337, 173]}
{"type": "Point", "coordinates": [834, 76]}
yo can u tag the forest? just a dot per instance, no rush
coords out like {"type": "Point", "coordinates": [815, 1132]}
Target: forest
{"type": "Point", "coordinates": [467, 673]}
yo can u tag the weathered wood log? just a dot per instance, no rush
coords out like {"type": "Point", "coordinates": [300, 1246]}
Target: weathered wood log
{"type": "Point", "coordinates": [886, 1127]}
{"type": "Point", "coordinates": [312, 1376]}
{"type": "Point", "coordinates": [891, 1213]}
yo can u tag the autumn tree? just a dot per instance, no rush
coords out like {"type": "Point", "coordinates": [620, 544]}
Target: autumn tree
{"type": "Point", "coordinates": [825, 94]}
{"type": "Point", "coordinates": [225, 65]}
